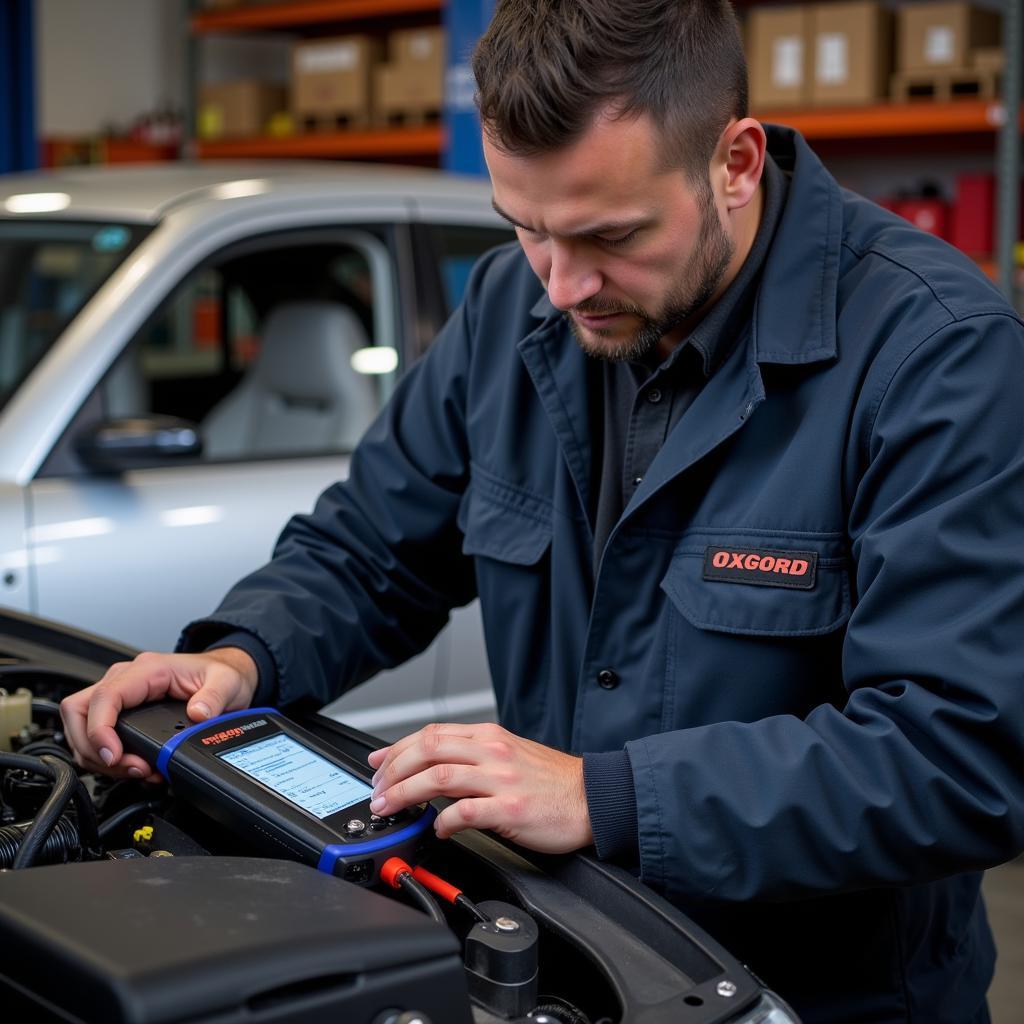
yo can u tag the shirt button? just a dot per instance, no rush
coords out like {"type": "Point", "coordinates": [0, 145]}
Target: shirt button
{"type": "Point", "coordinates": [654, 396]}
{"type": "Point", "coordinates": [637, 481]}
{"type": "Point", "coordinates": [607, 679]}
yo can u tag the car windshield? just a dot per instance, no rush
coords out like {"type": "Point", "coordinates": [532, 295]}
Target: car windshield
{"type": "Point", "coordinates": [48, 271]}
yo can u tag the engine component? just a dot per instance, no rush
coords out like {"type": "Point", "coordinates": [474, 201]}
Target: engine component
{"type": "Point", "coordinates": [15, 715]}
{"type": "Point", "coordinates": [501, 960]}
{"type": "Point", "coordinates": [122, 935]}
{"type": "Point", "coordinates": [61, 844]}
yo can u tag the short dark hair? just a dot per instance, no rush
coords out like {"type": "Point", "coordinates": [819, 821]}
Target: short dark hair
{"type": "Point", "coordinates": [545, 68]}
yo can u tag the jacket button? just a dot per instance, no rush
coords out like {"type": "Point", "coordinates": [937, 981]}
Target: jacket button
{"type": "Point", "coordinates": [607, 679]}
{"type": "Point", "coordinates": [654, 396]}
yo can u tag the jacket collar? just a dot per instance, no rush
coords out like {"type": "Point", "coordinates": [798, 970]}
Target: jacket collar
{"type": "Point", "coordinates": [795, 314]}
{"type": "Point", "coordinates": [794, 319]}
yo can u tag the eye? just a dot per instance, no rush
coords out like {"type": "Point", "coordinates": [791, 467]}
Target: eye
{"type": "Point", "coordinates": [624, 240]}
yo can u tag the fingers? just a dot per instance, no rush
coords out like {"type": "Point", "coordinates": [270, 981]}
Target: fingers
{"type": "Point", "coordinates": [210, 684]}
{"type": "Point", "coordinates": [89, 717]}
{"type": "Point", "coordinates": [438, 780]}
{"type": "Point", "coordinates": [431, 749]}
{"type": "Point", "coordinates": [427, 740]}
{"type": "Point", "coordinates": [479, 812]}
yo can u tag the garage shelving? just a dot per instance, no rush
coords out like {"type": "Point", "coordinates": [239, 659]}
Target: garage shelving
{"type": "Point", "coordinates": [927, 127]}
{"type": "Point", "coordinates": [412, 143]}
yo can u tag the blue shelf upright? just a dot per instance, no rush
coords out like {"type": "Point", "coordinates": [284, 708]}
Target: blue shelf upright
{"type": "Point", "coordinates": [465, 22]}
{"type": "Point", "coordinates": [18, 149]}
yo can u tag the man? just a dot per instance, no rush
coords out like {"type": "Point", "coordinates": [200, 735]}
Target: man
{"type": "Point", "coordinates": [733, 460]}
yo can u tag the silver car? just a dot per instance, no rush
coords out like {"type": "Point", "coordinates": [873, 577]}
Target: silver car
{"type": "Point", "coordinates": [188, 354]}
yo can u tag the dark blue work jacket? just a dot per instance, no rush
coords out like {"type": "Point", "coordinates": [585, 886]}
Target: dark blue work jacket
{"type": "Point", "coordinates": [824, 754]}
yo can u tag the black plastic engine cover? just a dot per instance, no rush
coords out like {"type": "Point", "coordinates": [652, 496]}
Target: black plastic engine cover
{"type": "Point", "coordinates": [198, 940]}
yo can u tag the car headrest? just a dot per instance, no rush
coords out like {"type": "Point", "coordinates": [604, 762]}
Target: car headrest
{"type": "Point", "coordinates": [306, 350]}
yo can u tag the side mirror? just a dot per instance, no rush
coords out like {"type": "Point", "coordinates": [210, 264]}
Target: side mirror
{"type": "Point", "coordinates": [116, 445]}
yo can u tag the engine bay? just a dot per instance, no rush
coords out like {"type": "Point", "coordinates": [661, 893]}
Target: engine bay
{"type": "Point", "coordinates": [132, 903]}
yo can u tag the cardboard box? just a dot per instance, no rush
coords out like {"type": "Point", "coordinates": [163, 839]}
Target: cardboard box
{"type": "Point", "coordinates": [852, 52]}
{"type": "Point", "coordinates": [988, 58]}
{"type": "Point", "coordinates": [238, 109]}
{"type": "Point", "coordinates": [419, 50]}
{"type": "Point", "coordinates": [333, 77]}
{"type": "Point", "coordinates": [943, 36]}
{"type": "Point", "coordinates": [399, 95]}
{"type": "Point", "coordinates": [779, 57]}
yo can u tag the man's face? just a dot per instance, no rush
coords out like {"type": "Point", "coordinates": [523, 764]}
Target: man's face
{"type": "Point", "coordinates": [628, 250]}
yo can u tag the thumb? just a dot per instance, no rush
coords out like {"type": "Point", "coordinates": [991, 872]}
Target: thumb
{"type": "Point", "coordinates": [224, 685]}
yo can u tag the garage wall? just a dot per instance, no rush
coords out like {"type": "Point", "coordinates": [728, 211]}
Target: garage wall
{"type": "Point", "coordinates": [105, 62]}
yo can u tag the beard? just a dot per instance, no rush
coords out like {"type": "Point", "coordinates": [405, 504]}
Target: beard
{"type": "Point", "coordinates": [698, 281]}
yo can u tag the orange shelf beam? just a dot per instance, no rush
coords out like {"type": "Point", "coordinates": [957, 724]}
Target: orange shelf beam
{"type": "Point", "coordinates": [305, 12]}
{"type": "Point", "coordinates": [380, 144]}
{"type": "Point", "coordinates": [892, 119]}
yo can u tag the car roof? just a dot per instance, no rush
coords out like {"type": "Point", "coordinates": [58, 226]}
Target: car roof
{"type": "Point", "coordinates": [146, 193]}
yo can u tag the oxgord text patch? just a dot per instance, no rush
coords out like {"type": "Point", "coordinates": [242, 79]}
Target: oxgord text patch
{"type": "Point", "coordinates": [763, 567]}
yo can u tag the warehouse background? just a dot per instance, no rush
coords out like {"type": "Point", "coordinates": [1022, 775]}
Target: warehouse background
{"type": "Point", "coordinates": [916, 105]}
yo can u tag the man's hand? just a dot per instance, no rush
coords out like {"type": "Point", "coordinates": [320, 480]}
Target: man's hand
{"type": "Point", "coordinates": [214, 682]}
{"type": "Point", "coordinates": [525, 792]}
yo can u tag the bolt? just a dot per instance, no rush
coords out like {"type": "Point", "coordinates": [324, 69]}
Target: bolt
{"type": "Point", "coordinates": [506, 924]}
{"type": "Point", "coordinates": [726, 989]}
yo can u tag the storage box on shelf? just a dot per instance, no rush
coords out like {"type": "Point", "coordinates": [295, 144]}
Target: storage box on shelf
{"type": "Point", "coordinates": [938, 48]}
{"type": "Point", "coordinates": [333, 112]}
{"type": "Point", "coordinates": [778, 56]}
{"type": "Point", "coordinates": [409, 88]}
{"type": "Point", "coordinates": [852, 47]}
{"type": "Point", "coordinates": [245, 107]}
{"type": "Point", "coordinates": [331, 81]}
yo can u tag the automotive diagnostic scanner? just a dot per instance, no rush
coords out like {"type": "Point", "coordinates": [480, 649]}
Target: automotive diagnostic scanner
{"type": "Point", "coordinates": [286, 791]}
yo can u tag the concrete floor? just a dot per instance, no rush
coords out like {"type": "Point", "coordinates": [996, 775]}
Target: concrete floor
{"type": "Point", "coordinates": [1004, 897]}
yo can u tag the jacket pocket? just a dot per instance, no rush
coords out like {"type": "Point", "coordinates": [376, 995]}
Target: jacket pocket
{"type": "Point", "coordinates": [753, 603]}
{"type": "Point", "coordinates": [503, 522]}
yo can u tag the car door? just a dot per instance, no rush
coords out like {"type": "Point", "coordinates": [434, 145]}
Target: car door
{"type": "Point", "coordinates": [447, 242]}
{"type": "Point", "coordinates": [135, 555]}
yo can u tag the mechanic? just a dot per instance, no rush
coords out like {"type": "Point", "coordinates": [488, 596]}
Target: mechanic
{"type": "Point", "coordinates": [733, 460]}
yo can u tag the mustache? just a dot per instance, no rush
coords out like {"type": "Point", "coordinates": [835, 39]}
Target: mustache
{"type": "Point", "coordinates": [601, 307]}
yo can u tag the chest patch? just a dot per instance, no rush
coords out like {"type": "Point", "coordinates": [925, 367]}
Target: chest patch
{"type": "Point", "coordinates": [762, 567]}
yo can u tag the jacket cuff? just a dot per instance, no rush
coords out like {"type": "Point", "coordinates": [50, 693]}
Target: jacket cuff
{"type": "Point", "coordinates": [608, 781]}
{"type": "Point", "coordinates": [266, 671]}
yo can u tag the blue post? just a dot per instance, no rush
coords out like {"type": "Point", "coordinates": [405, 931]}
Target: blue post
{"type": "Point", "coordinates": [465, 21]}
{"type": "Point", "coordinates": [18, 149]}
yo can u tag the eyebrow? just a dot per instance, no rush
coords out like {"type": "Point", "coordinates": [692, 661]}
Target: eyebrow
{"type": "Point", "coordinates": [608, 227]}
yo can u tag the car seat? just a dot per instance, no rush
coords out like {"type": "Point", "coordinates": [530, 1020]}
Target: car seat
{"type": "Point", "coordinates": [300, 395]}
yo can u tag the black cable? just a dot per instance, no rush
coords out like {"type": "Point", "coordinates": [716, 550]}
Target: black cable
{"type": "Point", "coordinates": [64, 780]}
{"type": "Point", "coordinates": [562, 1011]}
{"type": "Point", "coordinates": [43, 706]}
{"type": "Point", "coordinates": [116, 820]}
{"type": "Point", "coordinates": [39, 747]}
{"type": "Point", "coordinates": [67, 787]}
{"type": "Point", "coordinates": [422, 897]}
{"type": "Point", "coordinates": [60, 845]}
{"type": "Point", "coordinates": [471, 908]}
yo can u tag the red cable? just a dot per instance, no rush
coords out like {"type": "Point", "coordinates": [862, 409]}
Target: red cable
{"type": "Point", "coordinates": [436, 885]}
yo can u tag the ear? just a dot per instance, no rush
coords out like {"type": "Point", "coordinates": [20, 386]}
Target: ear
{"type": "Point", "coordinates": [739, 162]}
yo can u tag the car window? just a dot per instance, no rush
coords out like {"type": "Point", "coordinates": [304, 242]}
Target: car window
{"type": "Point", "coordinates": [48, 271]}
{"type": "Point", "coordinates": [458, 248]}
{"type": "Point", "coordinates": [278, 349]}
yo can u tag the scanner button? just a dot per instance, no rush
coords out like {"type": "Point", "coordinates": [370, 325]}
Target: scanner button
{"type": "Point", "coordinates": [355, 827]}
{"type": "Point", "coordinates": [377, 822]}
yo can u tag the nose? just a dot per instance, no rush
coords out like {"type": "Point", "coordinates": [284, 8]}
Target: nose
{"type": "Point", "coordinates": [571, 279]}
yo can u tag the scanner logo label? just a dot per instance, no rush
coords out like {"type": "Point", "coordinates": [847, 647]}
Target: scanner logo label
{"type": "Point", "coordinates": [762, 567]}
{"type": "Point", "coordinates": [233, 733]}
